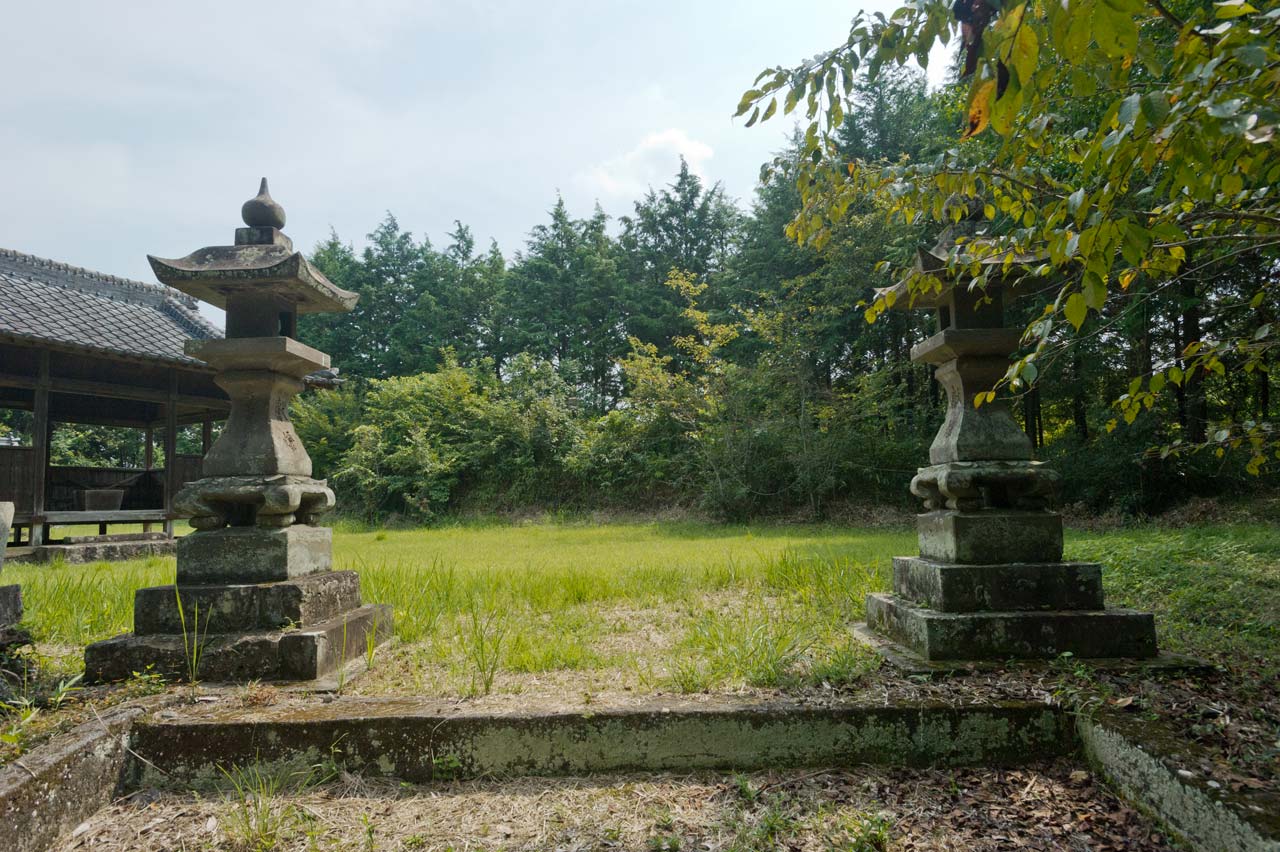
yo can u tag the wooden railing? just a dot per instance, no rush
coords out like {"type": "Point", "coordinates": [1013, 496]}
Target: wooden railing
{"type": "Point", "coordinates": [144, 489]}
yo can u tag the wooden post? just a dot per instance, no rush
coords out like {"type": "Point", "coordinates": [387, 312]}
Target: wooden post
{"type": "Point", "coordinates": [149, 460]}
{"type": "Point", "coordinates": [40, 446]}
{"type": "Point", "coordinates": [170, 451]}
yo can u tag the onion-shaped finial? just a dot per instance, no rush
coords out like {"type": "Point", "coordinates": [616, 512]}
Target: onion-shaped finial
{"type": "Point", "coordinates": [262, 211]}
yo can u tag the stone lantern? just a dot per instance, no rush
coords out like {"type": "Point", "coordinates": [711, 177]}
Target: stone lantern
{"type": "Point", "coordinates": [990, 582]}
{"type": "Point", "coordinates": [256, 596]}
{"type": "Point", "coordinates": [10, 596]}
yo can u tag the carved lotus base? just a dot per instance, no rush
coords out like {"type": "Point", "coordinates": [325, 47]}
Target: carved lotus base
{"type": "Point", "coordinates": [970, 486]}
{"type": "Point", "coordinates": [265, 501]}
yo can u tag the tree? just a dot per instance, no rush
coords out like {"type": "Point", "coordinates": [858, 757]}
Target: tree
{"type": "Point", "coordinates": [415, 303]}
{"type": "Point", "coordinates": [1128, 143]}
{"type": "Point", "coordinates": [565, 306]}
{"type": "Point", "coordinates": [384, 335]}
{"type": "Point", "coordinates": [683, 226]}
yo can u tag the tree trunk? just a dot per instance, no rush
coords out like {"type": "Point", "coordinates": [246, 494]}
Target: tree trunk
{"type": "Point", "coordinates": [1079, 404]}
{"type": "Point", "coordinates": [1263, 393]}
{"type": "Point", "coordinates": [1196, 405]}
{"type": "Point", "coordinates": [1032, 418]}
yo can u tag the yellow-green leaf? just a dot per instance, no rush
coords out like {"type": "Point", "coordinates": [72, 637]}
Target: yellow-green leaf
{"type": "Point", "coordinates": [1025, 52]}
{"type": "Point", "coordinates": [1233, 9]}
{"type": "Point", "coordinates": [980, 109]}
{"type": "Point", "coordinates": [1115, 27]}
{"type": "Point", "coordinates": [1075, 310]}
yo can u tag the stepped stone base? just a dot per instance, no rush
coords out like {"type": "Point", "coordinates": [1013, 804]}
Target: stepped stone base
{"type": "Point", "coordinates": [949, 587]}
{"type": "Point", "coordinates": [10, 605]}
{"type": "Point", "coordinates": [936, 635]}
{"type": "Point", "coordinates": [253, 554]}
{"type": "Point", "coordinates": [243, 608]}
{"type": "Point", "coordinates": [990, 536]}
{"type": "Point", "coordinates": [298, 655]}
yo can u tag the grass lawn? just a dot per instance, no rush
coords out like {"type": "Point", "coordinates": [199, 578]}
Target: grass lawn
{"type": "Point", "coordinates": [681, 606]}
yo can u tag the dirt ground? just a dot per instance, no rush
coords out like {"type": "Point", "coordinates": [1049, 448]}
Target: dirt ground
{"type": "Point", "coordinates": [1053, 806]}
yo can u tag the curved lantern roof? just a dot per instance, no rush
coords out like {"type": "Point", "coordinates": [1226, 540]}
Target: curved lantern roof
{"type": "Point", "coordinates": [261, 263]}
{"type": "Point", "coordinates": [933, 261]}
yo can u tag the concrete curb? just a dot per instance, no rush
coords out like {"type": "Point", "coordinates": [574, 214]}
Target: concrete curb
{"type": "Point", "coordinates": [416, 741]}
{"type": "Point", "coordinates": [1205, 818]}
{"type": "Point", "coordinates": [65, 781]}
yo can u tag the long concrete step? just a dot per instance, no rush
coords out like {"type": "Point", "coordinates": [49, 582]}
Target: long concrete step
{"type": "Point", "coordinates": [422, 740]}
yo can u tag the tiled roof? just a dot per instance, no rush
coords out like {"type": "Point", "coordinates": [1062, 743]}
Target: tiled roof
{"type": "Point", "coordinates": [43, 300]}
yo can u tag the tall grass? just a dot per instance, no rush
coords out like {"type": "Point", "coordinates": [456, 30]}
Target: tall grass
{"type": "Point", "coordinates": [552, 581]}
{"type": "Point", "coordinates": [77, 604]}
{"type": "Point", "coordinates": [1215, 589]}
{"type": "Point", "coordinates": [753, 605]}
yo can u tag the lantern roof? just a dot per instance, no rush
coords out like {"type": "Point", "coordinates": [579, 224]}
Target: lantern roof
{"type": "Point", "coordinates": [261, 263]}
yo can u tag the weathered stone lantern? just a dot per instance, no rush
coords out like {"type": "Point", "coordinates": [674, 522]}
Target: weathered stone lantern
{"type": "Point", "coordinates": [990, 582]}
{"type": "Point", "coordinates": [256, 596]}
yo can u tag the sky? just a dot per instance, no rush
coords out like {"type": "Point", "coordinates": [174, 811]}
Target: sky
{"type": "Point", "coordinates": [137, 128]}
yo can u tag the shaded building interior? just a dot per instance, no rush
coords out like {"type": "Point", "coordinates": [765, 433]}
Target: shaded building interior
{"type": "Point", "coordinates": [81, 347]}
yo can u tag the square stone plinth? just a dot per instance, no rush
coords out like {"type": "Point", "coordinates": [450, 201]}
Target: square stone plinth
{"type": "Point", "coordinates": [10, 603]}
{"type": "Point", "coordinates": [938, 635]}
{"type": "Point", "coordinates": [246, 608]}
{"type": "Point", "coordinates": [280, 655]}
{"type": "Point", "coordinates": [990, 536]}
{"type": "Point", "coordinates": [952, 587]}
{"type": "Point", "coordinates": [239, 555]}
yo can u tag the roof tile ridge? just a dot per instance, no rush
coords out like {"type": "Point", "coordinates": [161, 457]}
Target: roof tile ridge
{"type": "Point", "coordinates": [143, 287]}
{"type": "Point", "coordinates": [189, 318]}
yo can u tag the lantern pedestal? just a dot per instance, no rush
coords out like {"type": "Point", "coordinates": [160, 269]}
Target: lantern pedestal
{"type": "Point", "coordinates": [307, 653]}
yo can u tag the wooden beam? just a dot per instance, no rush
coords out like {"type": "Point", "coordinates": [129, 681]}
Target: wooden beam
{"type": "Point", "coordinates": [119, 516]}
{"type": "Point", "coordinates": [111, 390]}
{"type": "Point", "coordinates": [188, 419]}
{"type": "Point", "coordinates": [41, 429]}
{"type": "Point", "coordinates": [170, 450]}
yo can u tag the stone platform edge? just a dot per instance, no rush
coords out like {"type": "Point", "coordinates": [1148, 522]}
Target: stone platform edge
{"type": "Point", "coordinates": [418, 741]}
{"type": "Point", "coordinates": [48, 792]}
{"type": "Point", "coordinates": [61, 783]}
{"type": "Point", "coordinates": [1130, 753]}
{"type": "Point", "coordinates": [80, 554]}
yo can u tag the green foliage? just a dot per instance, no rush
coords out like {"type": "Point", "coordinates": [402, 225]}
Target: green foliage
{"type": "Point", "coordinates": [565, 306]}
{"type": "Point", "coordinates": [739, 440]}
{"type": "Point", "coordinates": [261, 813]}
{"type": "Point", "coordinates": [705, 359]}
{"type": "Point", "coordinates": [683, 227]}
{"type": "Point", "coordinates": [755, 648]}
{"type": "Point", "coordinates": [415, 302]}
{"type": "Point", "coordinates": [482, 635]}
{"type": "Point", "coordinates": [411, 445]}
{"type": "Point", "coordinates": [1128, 146]}
{"type": "Point", "coordinates": [100, 446]}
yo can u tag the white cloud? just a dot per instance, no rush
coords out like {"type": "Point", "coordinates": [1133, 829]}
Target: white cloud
{"type": "Point", "coordinates": [652, 162]}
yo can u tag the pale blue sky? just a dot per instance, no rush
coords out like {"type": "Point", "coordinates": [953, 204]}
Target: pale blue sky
{"type": "Point", "coordinates": [139, 127]}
